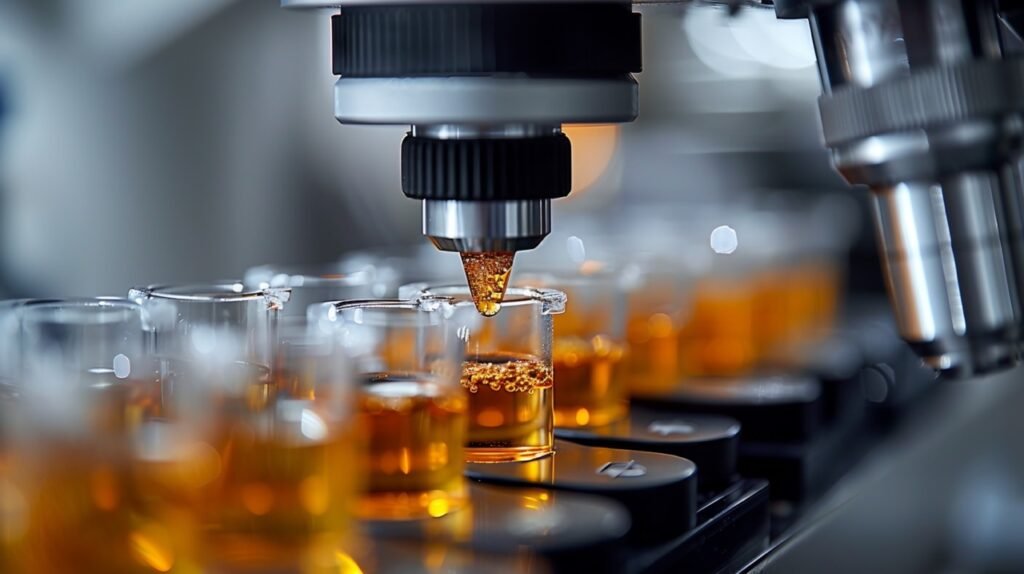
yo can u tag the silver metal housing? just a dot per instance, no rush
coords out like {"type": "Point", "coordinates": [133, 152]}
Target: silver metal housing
{"type": "Point", "coordinates": [485, 100]}
{"type": "Point", "coordinates": [488, 106]}
{"type": "Point", "coordinates": [476, 226]}
{"type": "Point", "coordinates": [948, 271]}
{"type": "Point", "coordinates": [920, 104]}
{"type": "Point", "coordinates": [484, 131]}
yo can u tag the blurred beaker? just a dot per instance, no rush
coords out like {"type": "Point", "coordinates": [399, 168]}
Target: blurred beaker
{"type": "Point", "coordinates": [412, 411]}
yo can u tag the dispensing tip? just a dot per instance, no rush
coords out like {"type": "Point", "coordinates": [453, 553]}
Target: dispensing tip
{"type": "Point", "coordinates": [487, 274]}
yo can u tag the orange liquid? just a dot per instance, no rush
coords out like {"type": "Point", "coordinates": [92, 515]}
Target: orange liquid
{"type": "Point", "coordinates": [267, 481]}
{"type": "Point", "coordinates": [795, 308]}
{"type": "Point", "coordinates": [249, 489]}
{"type": "Point", "coordinates": [71, 501]}
{"type": "Point", "coordinates": [719, 337]}
{"type": "Point", "coordinates": [777, 319]}
{"type": "Point", "coordinates": [510, 408]}
{"type": "Point", "coordinates": [652, 364]}
{"type": "Point", "coordinates": [416, 431]}
{"type": "Point", "coordinates": [591, 388]}
{"type": "Point", "coordinates": [824, 288]}
{"type": "Point", "coordinates": [275, 498]}
{"type": "Point", "coordinates": [61, 525]}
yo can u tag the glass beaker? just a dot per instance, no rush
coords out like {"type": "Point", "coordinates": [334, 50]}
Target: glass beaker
{"type": "Point", "coordinates": [412, 410]}
{"type": "Point", "coordinates": [265, 460]}
{"type": "Point", "coordinates": [507, 371]}
{"type": "Point", "coordinates": [645, 257]}
{"type": "Point", "coordinates": [80, 386]}
{"type": "Point", "coordinates": [222, 317]}
{"type": "Point", "coordinates": [11, 344]}
{"type": "Point", "coordinates": [802, 291]}
{"type": "Point", "coordinates": [657, 293]}
{"type": "Point", "coordinates": [589, 345]}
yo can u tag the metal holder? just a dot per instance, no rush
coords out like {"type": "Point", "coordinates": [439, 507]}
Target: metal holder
{"type": "Point", "coordinates": [922, 102]}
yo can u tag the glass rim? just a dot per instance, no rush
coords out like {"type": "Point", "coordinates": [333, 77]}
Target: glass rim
{"type": "Point", "coordinates": [408, 312]}
{"type": "Point", "coordinates": [227, 291]}
{"type": "Point", "coordinates": [552, 300]}
{"type": "Point", "coordinates": [408, 304]}
{"type": "Point", "coordinates": [31, 306]}
{"type": "Point", "coordinates": [24, 302]}
{"type": "Point", "coordinates": [398, 304]}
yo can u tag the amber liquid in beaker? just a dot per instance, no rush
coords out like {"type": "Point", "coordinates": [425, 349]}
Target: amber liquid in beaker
{"type": "Point", "coordinates": [275, 500]}
{"type": "Point", "coordinates": [267, 482]}
{"type": "Point", "coordinates": [416, 431]}
{"type": "Point", "coordinates": [795, 307]}
{"type": "Point", "coordinates": [652, 364]}
{"type": "Point", "coordinates": [76, 515]}
{"type": "Point", "coordinates": [72, 501]}
{"type": "Point", "coordinates": [778, 315]}
{"type": "Point", "coordinates": [814, 298]}
{"type": "Point", "coordinates": [487, 274]}
{"type": "Point", "coordinates": [510, 407]}
{"type": "Point", "coordinates": [591, 388]}
{"type": "Point", "coordinates": [718, 339]}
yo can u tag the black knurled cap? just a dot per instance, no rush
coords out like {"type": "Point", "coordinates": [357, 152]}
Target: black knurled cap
{"type": "Point", "coordinates": [796, 9]}
{"type": "Point", "coordinates": [487, 169]}
{"type": "Point", "coordinates": [570, 39]}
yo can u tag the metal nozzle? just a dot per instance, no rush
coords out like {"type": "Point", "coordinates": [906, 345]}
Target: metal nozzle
{"type": "Point", "coordinates": [485, 152]}
{"type": "Point", "coordinates": [950, 275]}
{"type": "Point", "coordinates": [478, 226]}
{"type": "Point", "coordinates": [486, 188]}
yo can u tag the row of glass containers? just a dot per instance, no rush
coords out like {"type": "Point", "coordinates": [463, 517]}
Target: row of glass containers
{"type": "Point", "coordinates": [201, 428]}
{"type": "Point", "coordinates": [171, 436]}
{"type": "Point", "coordinates": [237, 426]}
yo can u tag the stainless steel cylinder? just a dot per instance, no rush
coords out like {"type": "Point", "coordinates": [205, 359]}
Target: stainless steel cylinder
{"type": "Point", "coordinates": [506, 225]}
{"type": "Point", "coordinates": [949, 274]}
{"type": "Point", "coordinates": [922, 102]}
{"type": "Point", "coordinates": [509, 130]}
{"type": "Point", "coordinates": [477, 226]}
{"type": "Point", "coordinates": [480, 100]}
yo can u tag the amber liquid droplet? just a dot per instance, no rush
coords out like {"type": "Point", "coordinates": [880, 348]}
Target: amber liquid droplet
{"type": "Point", "coordinates": [487, 274]}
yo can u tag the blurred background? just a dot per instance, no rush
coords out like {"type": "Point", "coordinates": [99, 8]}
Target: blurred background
{"type": "Point", "coordinates": [157, 141]}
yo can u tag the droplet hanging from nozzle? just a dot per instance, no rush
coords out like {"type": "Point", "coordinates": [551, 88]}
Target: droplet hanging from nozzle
{"type": "Point", "coordinates": [487, 274]}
